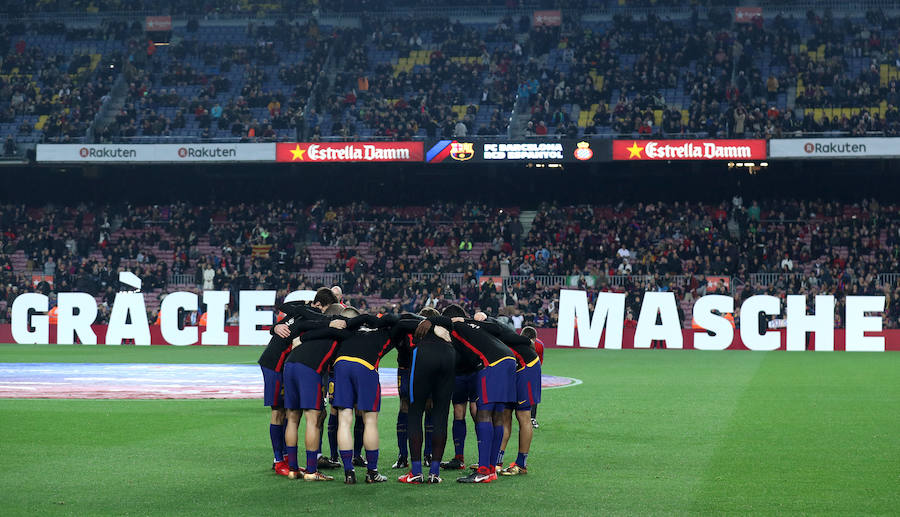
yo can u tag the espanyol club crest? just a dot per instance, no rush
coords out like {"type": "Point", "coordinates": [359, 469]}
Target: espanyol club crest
{"type": "Point", "coordinates": [583, 151]}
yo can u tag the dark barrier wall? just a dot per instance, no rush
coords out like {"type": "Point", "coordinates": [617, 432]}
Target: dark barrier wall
{"type": "Point", "coordinates": [411, 184]}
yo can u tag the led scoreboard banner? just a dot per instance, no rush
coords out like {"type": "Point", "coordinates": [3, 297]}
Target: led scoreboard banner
{"type": "Point", "coordinates": [534, 151]}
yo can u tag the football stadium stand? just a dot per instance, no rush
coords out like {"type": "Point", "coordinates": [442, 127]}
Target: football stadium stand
{"type": "Point", "coordinates": [247, 71]}
{"type": "Point", "coordinates": [396, 259]}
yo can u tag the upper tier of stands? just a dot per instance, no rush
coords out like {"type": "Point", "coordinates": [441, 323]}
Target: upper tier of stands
{"type": "Point", "coordinates": [368, 76]}
{"type": "Point", "coordinates": [53, 80]}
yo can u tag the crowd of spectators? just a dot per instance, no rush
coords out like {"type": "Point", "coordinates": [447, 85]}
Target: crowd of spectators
{"type": "Point", "coordinates": [798, 247]}
{"type": "Point", "coordinates": [648, 76]}
{"type": "Point", "coordinates": [392, 259]}
{"type": "Point", "coordinates": [226, 103]}
{"type": "Point", "coordinates": [255, 7]}
{"type": "Point", "coordinates": [715, 76]}
{"type": "Point", "coordinates": [170, 7]}
{"type": "Point", "coordinates": [461, 69]}
{"type": "Point", "coordinates": [64, 90]}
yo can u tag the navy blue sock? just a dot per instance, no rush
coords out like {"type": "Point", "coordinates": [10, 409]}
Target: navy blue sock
{"type": "Point", "coordinates": [429, 431]}
{"type": "Point", "coordinates": [332, 436]}
{"type": "Point", "coordinates": [312, 461]}
{"type": "Point", "coordinates": [283, 443]}
{"type": "Point", "coordinates": [416, 468]}
{"type": "Point", "coordinates": [521, 458]}
{"type": "Point", "coordinates": [495, 443]}
{"type": "Point", "coordinates": [500, 457]}
{"type": "Point", "coordinates": [402, 436]}
{"type": "Point", "coordinates": [358, 428]}
{"type": "Point", "coordinates": [372, 459]}
{"type": "Point", "coordinates": [321, 434]}
{"type": "Point", "coordinates": [435, 468]}
{"type": "Point", "coordinates": [292, 458]}
{"type": "Point", "coordinates": [459, 437]}
{"type": "Point", "coordinates": [276, 434]}
{"type": "Point", "coordinates": [485, 433]}
{"type": "Point", "coordinates": [347, 459]}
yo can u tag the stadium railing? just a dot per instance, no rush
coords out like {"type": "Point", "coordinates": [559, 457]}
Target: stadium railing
{"type": "Point", "coordinates": [322, 278]}
{"type": "Point", "coordinates": [667, 280]}
{"type": "Point", "coordinates": [375, 138]}
{"type": "Point", "coordinates": [161, 139]}
{"type": "Point", "coordinates": [755, 279]}
{"type": "Point", "coordinates": [431, 276]}
{"type": "Point", "coordinates": [327, 278]}
{"type": "Point", "coordinates": [15, 160]}
{"type": "Point", "coordinates": [468, 11]}
{"type": "Point", "coordinates": [182, 279]}
{"type": "Point", "coordinates": [826, 4]}
{"type": "Point", "coordinates": [735, 284]}
{"type": "Point", "coordinates": [767, 279]}
{"type": "Point", "coordinates": [888, 279]}
{"type": "Point", "coordinates": [541, 280]}
{"type": "Point", "coordinates": [314, 278]}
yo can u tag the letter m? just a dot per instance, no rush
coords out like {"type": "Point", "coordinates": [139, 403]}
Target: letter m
{"type": "Point", "coordinates": [609, 313]}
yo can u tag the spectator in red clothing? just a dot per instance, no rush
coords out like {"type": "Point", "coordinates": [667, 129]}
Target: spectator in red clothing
{"type": "Point", "coordinates": [646, 127]}
{"type": "Point", "coordinates": [630, 322]}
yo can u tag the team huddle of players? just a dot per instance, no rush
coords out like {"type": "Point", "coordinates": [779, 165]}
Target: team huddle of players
{"type": "Point", "coordinates": [325, 351]}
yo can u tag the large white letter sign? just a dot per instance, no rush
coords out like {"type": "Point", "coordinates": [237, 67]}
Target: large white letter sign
{"type": "Point", "coordinates": [821, 324]}
{"type": "Point", "coordinates": [69, 324]}
{"type": "Point", "coordinates": [138, 329]}
{"type": "Point", "coordinates": [216, 302]}
{"type": "Point", "coordinates": [249, 317]}
{"type": "Point", "coordinates": [724, 332]}
{"type": "Point", "coordinates": [168, 319]}
{"type": "Point", "coordinates": [750, 311]}
{"type": "Point", "coordinates": [36, 302]}
{"type": "Point", "coordinates": [858, 324]}
{"type": "Point", "coordinates": [668, 330]}
{"type": "Point", "coordinates": [304, 295]}
{"type": "Point", "coordinates": [609, 312]}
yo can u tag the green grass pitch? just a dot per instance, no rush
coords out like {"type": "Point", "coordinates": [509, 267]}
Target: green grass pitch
{"type": "Point", "coordinates": [649, 432]}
